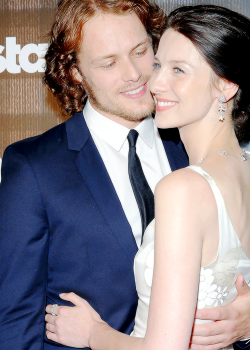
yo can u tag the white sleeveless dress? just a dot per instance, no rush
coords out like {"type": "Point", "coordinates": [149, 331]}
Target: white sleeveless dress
{"type": "Point", "coordinates": [216, 287]}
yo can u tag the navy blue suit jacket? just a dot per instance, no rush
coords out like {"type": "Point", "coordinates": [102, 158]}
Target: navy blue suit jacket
{"type": "Point", "coordinates": [62, 229]}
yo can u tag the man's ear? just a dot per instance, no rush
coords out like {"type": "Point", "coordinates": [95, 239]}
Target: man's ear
{"type": "Point", "coordinates": [76, 75]}
{"type": "Point", "coordinates": [228, 89]}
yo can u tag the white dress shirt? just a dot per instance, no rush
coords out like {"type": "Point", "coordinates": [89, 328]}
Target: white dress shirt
{"type": "Point", "coordinates": [111, 141]}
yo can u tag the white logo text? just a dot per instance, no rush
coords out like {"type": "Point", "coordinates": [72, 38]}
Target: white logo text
{"type": "Point", "coordinates": [13, 50]}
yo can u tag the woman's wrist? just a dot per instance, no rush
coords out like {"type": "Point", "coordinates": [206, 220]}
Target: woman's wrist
{"type": "Point", "coordinates": [98, 332]}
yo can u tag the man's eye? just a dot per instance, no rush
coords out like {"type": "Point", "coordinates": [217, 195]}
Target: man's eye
{"type": "Point", "coordinates": [178, 70]}
{"type": "Point", "coordinates": [156, 66]}
{"type": "Point", "coordinates": [109, 65]}
{"type": "Point", "coordinates": [141, 53]}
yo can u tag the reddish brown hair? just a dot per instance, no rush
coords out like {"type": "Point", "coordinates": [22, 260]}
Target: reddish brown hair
{"type": "Point", "coordinates": [66, 37]}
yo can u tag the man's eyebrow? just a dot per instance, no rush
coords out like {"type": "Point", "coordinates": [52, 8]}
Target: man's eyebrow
{"type": "Point", "coordinates": [141, 43]}
{"type": "Point", "coordinates": [97, 59]}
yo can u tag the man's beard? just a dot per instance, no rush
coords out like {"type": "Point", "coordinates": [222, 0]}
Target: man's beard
{"type": "Point", "coordinates": [118, 110]}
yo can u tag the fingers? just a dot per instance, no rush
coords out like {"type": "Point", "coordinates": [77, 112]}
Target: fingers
{"type": "Point", "coordinates": [214, 314]}
{"type": "Point", "coordinates": [208, 329]}
{"type": "Point", "coordinates": [51, 328]}
{"type": "Point", "coordinates": [206, 340]}
{"type": "Point", "coordinates": [51, 336]}
{"type": "Point", "coordinates": [225, 329]}
{"type": "Point", "coordinates": [50, 319]}
{"type": "Point", "coordinates": [72, 297]}
{"type": "Point", "coordinates": [48, 309]}
{"type": "Point", "coordinates": [215, 335]}
{"type": "Point", "coordinates": [218, 346]}
{"type": "Point", "coordinates": [241, 285]}
{"type": "Point", "coordinates": [222, 339]}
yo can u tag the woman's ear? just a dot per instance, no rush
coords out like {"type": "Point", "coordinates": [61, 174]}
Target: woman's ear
{"type": "Point", "coordinates": [228, 89]}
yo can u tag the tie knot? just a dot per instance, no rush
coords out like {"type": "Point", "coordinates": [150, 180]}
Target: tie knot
{"type": "Point", "coordinates": [132, 138]}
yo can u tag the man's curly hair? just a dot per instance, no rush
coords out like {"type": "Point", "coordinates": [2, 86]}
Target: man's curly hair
{"type": "Point", "coordinates": [66, 37]}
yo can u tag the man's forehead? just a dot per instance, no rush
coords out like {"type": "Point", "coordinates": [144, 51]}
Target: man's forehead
{"type": "Point", "coordinates": [108, 34]}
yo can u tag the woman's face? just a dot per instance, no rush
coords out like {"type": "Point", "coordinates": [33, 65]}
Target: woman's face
{"type": "Point", "coordinates": [181, 83]}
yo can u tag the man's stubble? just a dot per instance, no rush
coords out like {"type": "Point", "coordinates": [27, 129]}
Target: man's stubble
{"type": "Point", "coordinates": [146, 104]}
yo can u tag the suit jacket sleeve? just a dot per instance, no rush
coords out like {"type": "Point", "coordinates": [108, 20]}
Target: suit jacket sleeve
{"type": "Point", "coordinates": [23, 254]}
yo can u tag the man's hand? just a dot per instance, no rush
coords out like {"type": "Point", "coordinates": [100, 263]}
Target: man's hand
{"type": "Point", "coordinates": [71, 326]}
{"type": "Point", "coordinates": [232, 322]}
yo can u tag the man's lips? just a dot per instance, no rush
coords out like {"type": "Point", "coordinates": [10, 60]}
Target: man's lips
{"type": "Point", "coordinates": [135, 92]}
{"type": "Point", "coordinates": [164, 104]}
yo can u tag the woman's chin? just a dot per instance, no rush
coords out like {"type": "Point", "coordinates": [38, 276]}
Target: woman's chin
{"type": "Point", "coordinates": [164, 123]}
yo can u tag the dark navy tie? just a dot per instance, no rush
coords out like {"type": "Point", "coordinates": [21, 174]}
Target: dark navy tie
{"type": "Point", "coordinates": [143, 194]}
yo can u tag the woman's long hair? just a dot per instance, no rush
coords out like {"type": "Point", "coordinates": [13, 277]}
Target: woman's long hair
{"type": "Point", "coordinates": [222, 37]}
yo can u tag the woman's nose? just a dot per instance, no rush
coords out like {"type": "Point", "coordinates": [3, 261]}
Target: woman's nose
{"type": "Point", "coordinates": [158, 83]}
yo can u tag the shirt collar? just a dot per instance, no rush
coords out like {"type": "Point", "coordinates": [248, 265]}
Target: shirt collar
{"type": "Point", "coordinates": [146, 131]}
{"type": "Point", "coordinates": [113, 133]}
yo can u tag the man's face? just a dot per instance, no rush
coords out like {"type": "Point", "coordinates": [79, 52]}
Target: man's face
{"type": "Point", "coordinates": [116, 61]}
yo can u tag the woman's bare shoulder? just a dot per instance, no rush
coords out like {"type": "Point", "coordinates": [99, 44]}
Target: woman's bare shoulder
{"type": "Point", "coordinates": [185, 186]}
{"type": "Point", "coordinates": [187, 196]}
{"type": "Point", "coordinates": [186, 180]}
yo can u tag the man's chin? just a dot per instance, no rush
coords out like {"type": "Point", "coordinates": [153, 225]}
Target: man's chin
{"type": "Point", "coordinates": [137, 111]}
{"type": "Point", "coordinates": [135, 118]}
{"type": "Point", "coordinates": [135, 115]}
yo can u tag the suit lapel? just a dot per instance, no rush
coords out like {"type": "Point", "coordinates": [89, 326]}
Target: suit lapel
{"type": "Point", "coordinates": [93, 171]}
{"type": "Point", "coordinates": [94, 174]}
{"type": "Point", "coordinates": [174, 148]}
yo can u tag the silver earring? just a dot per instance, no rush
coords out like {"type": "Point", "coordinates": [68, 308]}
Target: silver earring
{"type": "Point", "coordinates": [222, 108]}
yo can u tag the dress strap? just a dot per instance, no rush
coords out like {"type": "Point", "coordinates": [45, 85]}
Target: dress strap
{"type": "Point", "coordinates": [225, 225]}
{"type": "Point", "coordinates": [213, 185]}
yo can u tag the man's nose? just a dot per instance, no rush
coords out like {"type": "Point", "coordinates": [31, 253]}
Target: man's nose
{"type": "Point", "coordinates": [130, 71]}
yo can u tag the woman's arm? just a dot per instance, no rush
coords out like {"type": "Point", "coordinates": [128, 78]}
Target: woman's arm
{"type": "Point", "coordinates": [81, 326]}
{"type": "Point", "coordinates": [179, 205]}
{"type": "Point", "coordinates": [182, 202]}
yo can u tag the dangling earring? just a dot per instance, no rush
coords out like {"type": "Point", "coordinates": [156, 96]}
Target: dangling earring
{"type": "Point", "coordinates": [222, 108]}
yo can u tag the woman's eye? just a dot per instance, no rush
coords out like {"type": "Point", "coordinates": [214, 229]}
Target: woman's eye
{"type": "Point", "coordinates": [178, 70]}
{"type": "Point", "coordinates": [156, 66]}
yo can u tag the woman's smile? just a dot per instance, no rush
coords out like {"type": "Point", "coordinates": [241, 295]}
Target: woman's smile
{"type": "Point", "coordinates": [164, 104]}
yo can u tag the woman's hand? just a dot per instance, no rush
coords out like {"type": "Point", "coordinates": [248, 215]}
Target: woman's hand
{"type": "Point", "coordinates": [72, 326]}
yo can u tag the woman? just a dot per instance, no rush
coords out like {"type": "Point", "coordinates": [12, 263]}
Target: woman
{"type": "Point", "coordinates": [200, 85]}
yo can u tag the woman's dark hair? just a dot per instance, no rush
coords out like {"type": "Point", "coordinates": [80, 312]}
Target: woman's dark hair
{"type": "Point", "coordinates": [222, 37]}
{"type": "Point", "coordinates": [66, 38]}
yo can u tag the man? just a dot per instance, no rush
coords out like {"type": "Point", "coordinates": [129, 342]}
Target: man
{"type": "Point", "coordinates": [70, 219]}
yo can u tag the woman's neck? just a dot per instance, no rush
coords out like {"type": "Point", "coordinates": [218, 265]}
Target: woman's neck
{"type": "Point", "coordinates": [204, 136]}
